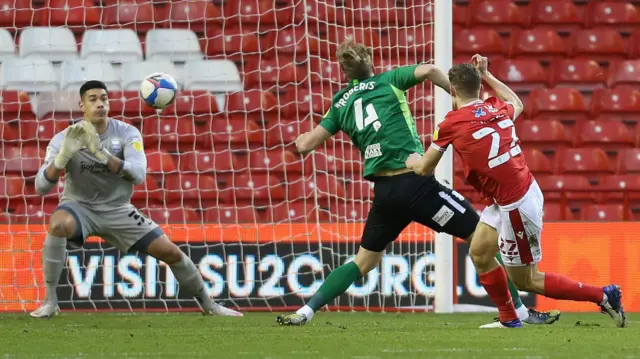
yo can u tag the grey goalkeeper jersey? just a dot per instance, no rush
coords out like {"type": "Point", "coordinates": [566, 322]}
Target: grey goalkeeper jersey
{"type": "Point", "coordinates": [89, 182]}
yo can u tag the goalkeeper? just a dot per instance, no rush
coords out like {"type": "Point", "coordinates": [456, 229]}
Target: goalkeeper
{"type": "Point", "coordinates": [103, 158]}
{"type": "Point", "coordinates": [373, 111]}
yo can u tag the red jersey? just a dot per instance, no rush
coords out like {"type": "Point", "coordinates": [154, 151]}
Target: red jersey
{"type": "Point", "coordinates": [484, 135]}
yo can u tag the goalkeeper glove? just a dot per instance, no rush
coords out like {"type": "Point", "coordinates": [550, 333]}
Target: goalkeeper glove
{"type": "Point", "coordinates": [72, 142]}
{"type": "Point", "coordinates": [93, 143]}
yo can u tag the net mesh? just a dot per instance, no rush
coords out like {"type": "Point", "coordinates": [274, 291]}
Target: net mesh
{"type": "Point", "coordinates": [263, 224]}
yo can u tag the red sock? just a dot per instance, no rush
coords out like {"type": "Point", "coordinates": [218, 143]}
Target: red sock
{"type": "Point", "coordinates": [559, 287]}
{"type": "Point", "coordinates": [495, 283]}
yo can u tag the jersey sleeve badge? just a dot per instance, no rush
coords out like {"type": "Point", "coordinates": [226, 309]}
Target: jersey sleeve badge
{"type": "Point", "coordinates": [137, 145]}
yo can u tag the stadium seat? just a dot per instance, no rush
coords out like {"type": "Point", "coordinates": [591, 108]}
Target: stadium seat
{"type": "Point", "coordinates": [137, 15]}
{"type": "Point", "coordinates": [212, 75]}
{"type": "Point", "coordinates": [73, 14]}
{"type": "Point", "coordinates": [134, 72]}
{"type": "Point", "coordinates": [587, 161]}
{"type": "Point", "coordinates": [329, 39]}
{"type": "Point", "coordinates": [560, 15]}
{"type": "Point", "coordinates": [581, 74]}
{"type": "Point", "coordinates": [405, 41]}
{"type": "Point", "coordinates": [375, 13]}
{"type": "Point", "coordinates": [417, 12]}
{"type": "Point", "coordinates": [11, 191]}
{"type": "Point", "coordinates": [634, 42]}
{"type": "Point", "coordinates": [624, 73]}
{"type": "Point", "coordinates": [319, 10]}
{"type": "Point", "coordinates": [600, 44]}
{"type": "Point", "coordinates": [236, 43]}
{"type": "Point", "coordinates": [604, 212]}
{"type": "Point", "coordinates": [76, 73]}
{"type": "Point", "coordinates": [553, 212]}
{"type": "Point", "coordinates": [499, 15]}
{"type": "Point", "coordinates": [564, 104]}
{"type": "Point", "coordinates": [254, 187]}
{"type": "Point", "coordinates": [236, 131]}
{"type": "Point", "coordinates": [23, 160]}
{"type": "Point", "coordinates": [362, 189]}
{"type": "Point", "coordinates": [9, 133]}
{"type": "Point", "coordinates": [40, 131]}
{"type": "Point", "coordinates": [159, 162]}
{"type": "Point", "coordinates": [537, 161]}
{"type": "Point", "coordinates": [60, 105]}
{"type": "Point", "coordinates": [264, 12]}
{"type": "Point", "coordinates": [211, 162]}
{"type": "Point", "coordinates": [251, 102]}
{"type": "Point", "coordinates": [28, 75]}
{"type": "Point", "coordinates": [520, 75]}
{"type": "Point", "coordinates": [115, 45]}
{"type": "Point", "coordinates": [539, 43]}
{"type": "Point", "coordinates": [173, 45]}
{"type": "Point", "coordinates": [295, 41]}
{"type": "Point", "coordinates": [32, 213]}
{"type": "Point", "coordinates": [16, 14]}
{"type": "Point", "coordinates": [174, 134]}
{"type": "Point", "coordinates": [617, 188]}
{"type": "Point", "coordinates": [335, 160]}
{"type": "Point", "coordinates": [620, 15]}
{"type": "Point", "coordinates": [468, 42]}
{"type": "Point", "coordinates": [15, 105]}
{"type": "Point", "coordinates": [128, 104]}
{"type": "Point", "coordinates": [629, 161]}
{"type": "Point", "coordinates": [149, 191]}
{"type": "Point", "coordinates": [230, 214]}
{"type": "Point", "coordinates": [274, 74]}
{"type": "Point", "coordinates": [604, 134]}
{"type": "Point", "coordinates": [190, 187]}
{"type": "Point", "coordinates": [51, 43]}
{"type": "Point", "coordinates": [325, 70]}
{"type": "Point", "coordinates": [171, 214]}
{"type": "Point", "coordinates": [195, 15]}
{"type": "Point", "coordinates": [543, 135]}
{"type": "Point", "coordinates": [299, 102]}
{"type": "Point", "coordinates": [297, 211]}
{"type": "Point", "coordinates": [320, 185]}
{"type": "Point", "coordinates": [562, 188]}
{"type": "Point", "coordinates": [615, 102]}
{"type": "Point", "coordinates": [7, 45]}
{"type": "Point", "coordinates": [284, 133]}
{"type": "Point", "coordinates": [277, 161]}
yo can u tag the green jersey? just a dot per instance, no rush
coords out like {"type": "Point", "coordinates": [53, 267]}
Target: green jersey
{"type": "Point", "coordinates": [375, 115]}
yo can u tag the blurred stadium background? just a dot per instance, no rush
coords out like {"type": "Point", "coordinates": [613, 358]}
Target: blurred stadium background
{"type": "Point", "coordinates": [265, 224]}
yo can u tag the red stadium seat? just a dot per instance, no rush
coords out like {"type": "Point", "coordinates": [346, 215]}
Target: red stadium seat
{"type": "Point", "coordinates": [586, 161]}
{"type": "Point", "coordinates": [32, 213]}
{"type": "Point", "coordinates": [568, 187]}
{"type": "Point", "coordinates": [361, 189]}
{"type": "Point", "coordinates": [263, 12]}
{"type": "Point", "coordinates": [267, 74]}
{"type": "Point", "coordinates": [168, 130]}
{"type": "Point", "coordinates": [295, 41]}
{"type": "Point", "coordinates": [138, 15]}
{"type": "Point", "coordinates": [128, 103]}
{"type": "Point", "coordinates": [236, 130]}
{"type": "Point", "coordinates": [148, 192]}
{"type": "Point", "coordinates": [601, 44]}
{"type": "Point", "coordinates": [235, 43]}
{"type": "Point", "coordinates": [559, 15]}
{"type": "Point", "coordinates": [604, 134]}
{"type": "Point", "coordinates": [581, 74]}
{"type": "Point", "coordinates": [320, 10]}
{"type": "Point", "coordinates": [469, 42]}
{"type": "Point", "coordinates": [254, 187]}
{"type": "Point", "coordinates": [539, 43]}
{"type": "Point", "coordinates": [615, 101]}
{"type": "Point", "coordinates": [40, 131]}
{"type": "Point", "coordinates": [21, 160]}
{"type": "Point", "coordinates": [605, 212]}
{"type": "Point", "coordinates": [629, 161]}
{"type": "Point", "coordinates": [405, 41]}
{"type": "Point", "coordinates": [500, 15]}
{"type": "Point", "coordinates": [230, 214]}
{"type": "Point", "coordinates": [553, 212]}
{"type": "Point", "coordinates": [622, 16]}
{"type": "Point", "coordinates": [338, 161]}
{"type": "Point", "coordinates": [16, 14]}
{"type": "Point", "coordinates": [171, 214]}
{"type": "Point", "coordinates": [520, 74]}
{"type": "Point", "coordinates": [299, 102]}
{"type": "Point", "coordinates": [251, 101]}
{"type": "Point", "coordinates": [73, 14]}
{"type": "Point", "coordinates": [15, 105]}
{"type": "Point", "coordinates": [297, 211]}
{"type": "Point", "coordinates": [275, 161]}
{"type": "Point", "coordinates": [351, 211]}
{"type": "Point", "coordinates": [564, 104]}
{"type": "Point", "coordinates": [418, 12]}
{"type": "Point", "coordinates": [537, 161]}
{"type": "Point", "coordinates": [190, 187]}
{"type": "Point", "coordinates": [159, 162]}
{"type": "Point", "coordinates": [284, 132]}
{"type": "Point", "coordinates": [211, 161]}
{"type": "Point", "coordinates": [319, 185]}
{"type": "Point", "coordinates": [375, 13]}
{"type": "Point", "coordinates": [634, 41]}
{"type": "Point", "coordinates": [12, 190]}
{"type": "Point", "coordinates": [325, 70]}
{"type": "Point", "coordinates": [625, 73]}
{"type": "Point", "coordinates": [196, 15]}
{"type": "Point", "coordinates": [617, 188]}
{"type": "Point", "coordinates": [543, 135]}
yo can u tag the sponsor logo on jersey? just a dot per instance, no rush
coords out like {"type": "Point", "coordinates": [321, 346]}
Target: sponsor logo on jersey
{"type": "Point", "coordinates": [359, 87]}
{"type": "Point", "coordinates": [443, 216]}
{"type": "Point", "coordinates": [435, 134]}
{"type": "Point", "coordinates": [372, 151]}
{"type": "Point", "coordinates": [93, 167]}
{"type": "Point", "coordinates": [479, 112]}
{"type": "Point", "coordinates": [116, 146]}
{"type": "Point", "coordinates": [137, 144]}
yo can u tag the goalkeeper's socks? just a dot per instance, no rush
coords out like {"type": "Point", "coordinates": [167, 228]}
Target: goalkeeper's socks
{"type": "Point", "coordinates": [336, 283]}
{"type": "Point", "coordinates": [495, 283]}
{"type": "Point", "coordinates": [559, 287]}
{"type": "Point", "coordinates": [54, 254]}
{"type": "Point", "coordinates": [517, 302]}
{"type": "Point", "coordinates": [191, 281]}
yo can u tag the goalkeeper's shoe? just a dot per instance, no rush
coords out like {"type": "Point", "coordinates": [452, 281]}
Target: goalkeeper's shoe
{"type": "Point", "coordinates": [516, 323]}
{"type": "Point", "coordinates": [536, 317]}
{"type": "Point", "coordinates": [292, 319]}
{"type": "Point", "coordinates": [220, 310]}
{"type": "Point", "coordinates": [46, 311]}
{"type": "Point", "coordinates": [613, 306]}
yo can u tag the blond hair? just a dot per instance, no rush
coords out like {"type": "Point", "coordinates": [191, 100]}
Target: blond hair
{"type": "Point", "coordinates": [355, 59]}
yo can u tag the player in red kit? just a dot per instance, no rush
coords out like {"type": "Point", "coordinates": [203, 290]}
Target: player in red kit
{"type": "Point", "coordinates": [483, 134]}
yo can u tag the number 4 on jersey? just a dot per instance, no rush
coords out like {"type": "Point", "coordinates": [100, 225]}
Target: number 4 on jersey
{"type": "Point", "coordinates": [372, 116]}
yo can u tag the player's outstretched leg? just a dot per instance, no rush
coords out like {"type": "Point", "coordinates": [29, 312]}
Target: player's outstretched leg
{"type": "Point", "coordinates": [187, 275]}
{"type": "Point", "coordinates": [493, 276]}
{"type": "Point", "coordinates": [62, 225]}
{"type": "Point", "coordinates": [527, 315]}
{"type": "Point", "coordinates": [336, 283]}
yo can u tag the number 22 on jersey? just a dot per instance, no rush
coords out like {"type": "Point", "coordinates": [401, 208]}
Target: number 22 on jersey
{"type": "Point", "coordinates": [496, 158]}
{"type": "Point", "coordinates": [372, 116]}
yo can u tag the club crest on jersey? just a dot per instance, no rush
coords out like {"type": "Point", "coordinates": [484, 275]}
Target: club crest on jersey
{"type": "Point", "coordinates": [479, 112]}
{"type": "Point", "coordinates": [116, 146]}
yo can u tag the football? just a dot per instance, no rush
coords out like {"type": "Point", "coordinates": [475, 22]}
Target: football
{"type": "Point", "coordinates": [158, 90]}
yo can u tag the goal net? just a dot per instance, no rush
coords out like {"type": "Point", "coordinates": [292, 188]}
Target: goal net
{"type": "Point", "coordinates": [263, 224]}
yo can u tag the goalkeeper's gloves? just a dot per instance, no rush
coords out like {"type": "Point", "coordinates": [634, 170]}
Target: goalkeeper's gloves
{"type": "Point", "coordinates": [72, 142]}
{"type": "Point", "coordinates": [93, 143]}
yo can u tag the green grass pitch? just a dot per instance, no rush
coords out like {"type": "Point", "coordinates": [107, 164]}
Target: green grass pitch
{"type": "Point", "coordinates": [329, 335]}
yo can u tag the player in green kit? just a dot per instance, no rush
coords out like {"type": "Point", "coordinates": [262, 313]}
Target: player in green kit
{"type": "Point", "coordinates": [373, 111]}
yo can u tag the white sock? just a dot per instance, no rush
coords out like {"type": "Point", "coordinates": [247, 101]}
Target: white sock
{"type": "Point", "coordinates": [307, 312]}
{"type": "Point", "coordinates": [605, 299]}
{"type": "Point", "coordinates": [523, 312]}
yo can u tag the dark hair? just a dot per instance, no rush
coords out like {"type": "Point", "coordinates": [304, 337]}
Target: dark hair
{"type": "Point", "coordinates": [466, 80]}
{"type": "Point", "coordinates": [355, 59]}
{"type": "Point", "coordinates": [90, 85]}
